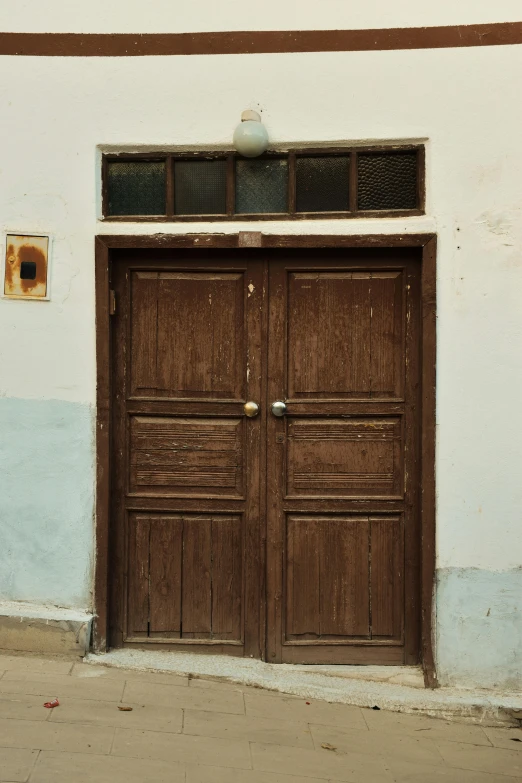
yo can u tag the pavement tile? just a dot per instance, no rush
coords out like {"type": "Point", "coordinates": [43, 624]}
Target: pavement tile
{"type": "Point", "coordinates": [280, 706]}
{"type": "Point", "coordinates": [18, 706]}
{"type": "Point", "coordinates": [28, 663]}
{"type": "Point", "coordinates": [300, 762]}
{"type": "Point", "coordinates": [137, 692]}
{"type": "Point", "coordinates": [16, 764]}
{"type": "Point", "coordinates": [493, 760]}
{"type": "Point", "coordinates": [421, 726]}
{"type": "Point", "coordinates": [91, 671]}
{"type": "Point", "coordinates": [374, 743]}
{"type": "Point", "coordinates": [61, 686]}
{"type": "Point", "coordinates": [196, 682]}
{"type": "Point", "coordinates": [267, 730]}
{"type": "Point", "coordinates": [192, 730]}
{"type": "Point", "coordinates": [181, 748]}
{"type": "Point", "coordinates": [200, 774]}
{"type": "Point", "coordinates": [55, 736]}
{"type": "Point", "coordinates": [79, 768]}
{"type": "Point", "coordinates": [407, 772]}
{"type": "Point", "coordinates": [106, 713]}
{"type": "Point", "coordinates": [505, 738]}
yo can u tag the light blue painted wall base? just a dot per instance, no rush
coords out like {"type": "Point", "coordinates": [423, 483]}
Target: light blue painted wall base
{"type": "Point", "coordinates": [47, 476]}
{"type": "Point", "coordinates": [479, 628]}
{"type": "Point", "coordinates": [46, 502]}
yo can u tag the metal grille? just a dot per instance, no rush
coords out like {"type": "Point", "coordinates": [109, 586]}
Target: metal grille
{"type": "Point", "coordinates": [322, 184]}
{"type": "Point", "coordinates": [387, 181]}
{"type": "Point", "coordinates": [261, 186]}
{"type": "Point", "coordinates": [136, 187]}
{"type": "Point", "coordinates": [200, 187]}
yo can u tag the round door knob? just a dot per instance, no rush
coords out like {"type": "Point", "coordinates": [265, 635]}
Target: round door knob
{"type": "Point", "coordinates": [278, 408]}
{"type": "Point", "coordinates": [251, 409]}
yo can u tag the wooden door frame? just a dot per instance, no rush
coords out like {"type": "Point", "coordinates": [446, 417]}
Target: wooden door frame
{"type": "Point", "coordinates": [426, 243]}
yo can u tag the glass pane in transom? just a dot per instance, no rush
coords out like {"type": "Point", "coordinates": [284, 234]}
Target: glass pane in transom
{"type": "Point", "coordinates": [200, 187]}
{"type": "Point", "coordinates": [261, 186]}
{"type": "Point", "coordinates": [322, 184]}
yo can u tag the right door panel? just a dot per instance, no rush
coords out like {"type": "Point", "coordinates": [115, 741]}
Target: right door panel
{"type": "Point", "coordinates": [343, 461]}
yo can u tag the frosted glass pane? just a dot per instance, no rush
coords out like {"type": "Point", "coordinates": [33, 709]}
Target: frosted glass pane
{"type": "Point", "coordinates": [136, 187]}
{"type": "Point", "coordinates": [261, 186]}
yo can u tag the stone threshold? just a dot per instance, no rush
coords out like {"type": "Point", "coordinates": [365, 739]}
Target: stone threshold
{"type": "Point", "coordinates": [43, 629]}
{"type": "Point", "coordinates": [395, 688]}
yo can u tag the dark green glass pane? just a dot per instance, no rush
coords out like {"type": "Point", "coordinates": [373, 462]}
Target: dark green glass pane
{"type": "Point", "coordinates": [136, 187]}
{"type": "Point", "coordinates": [200, 187]}
{"type": "Point", "coordinates": [261, 186]}
{"type": "Point", "coordinates": [387, 180]}
{"type": "Point", "coordinates": [322, 184]}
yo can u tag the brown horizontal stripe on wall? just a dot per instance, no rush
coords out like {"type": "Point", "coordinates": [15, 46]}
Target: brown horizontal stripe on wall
{"type": "Point", "coordinates": [257, 42]}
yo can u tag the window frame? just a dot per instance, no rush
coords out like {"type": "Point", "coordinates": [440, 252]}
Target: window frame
{"type": "Point", "coordinates": [291, 155]}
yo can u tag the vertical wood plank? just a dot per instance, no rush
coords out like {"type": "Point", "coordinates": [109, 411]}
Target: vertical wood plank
{"type": "Point", "coordinates": [120, 349]}
{"type": "Point", "coordinates": [139, 558]}
{"type": "Point", "coordinates": [253, 377]}
{"type": "Point", "coordinates": [428, 424]}
{"type": "Point", "coordinates": [303, 307]}
{"type": "Point", "coordinates": [303, 583]}
{"type": "Point", "coordinates": [386, 335]}
{"type": "Point", "coordinates": [166, 545]}
{"type": "Point", "coordinates": [196, 606]}
{"type": "Point", "coordinates": [227, 578]}
{"type": "Point", "coordinates": [278, 387]}
{"type": "Point", "coordinates": [387, 576]}
{"type": "Point", "coordinates": [344, 560]}
{"type": "Point", "coordinates": [360, 333]}
{"type": "Point", "coordinates": [412, 462]}
{"type": "Point", "coordinates": [144, 330]}
{"type": "Point", "coordinates": [227, 358]}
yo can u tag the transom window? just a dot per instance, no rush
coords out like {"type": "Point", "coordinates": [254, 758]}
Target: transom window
{"type": "Point", "coordinates": [362, 182]}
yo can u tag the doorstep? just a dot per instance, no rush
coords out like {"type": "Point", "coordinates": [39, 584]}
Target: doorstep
{"type": "Point", "coordinates": [399, 688]}
{"type": "Point", "coordinates": [48, 630]}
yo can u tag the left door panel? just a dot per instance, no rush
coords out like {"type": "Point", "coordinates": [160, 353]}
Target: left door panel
{"type": "Point", "coordinates": [185, 487]}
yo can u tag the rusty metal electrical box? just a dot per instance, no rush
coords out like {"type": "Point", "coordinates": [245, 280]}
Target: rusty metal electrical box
{"type": "Point", "coordinates": [26, 267]}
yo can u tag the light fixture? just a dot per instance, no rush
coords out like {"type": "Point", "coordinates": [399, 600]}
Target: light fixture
{"type": "Point", "coordinates": [250, 136]}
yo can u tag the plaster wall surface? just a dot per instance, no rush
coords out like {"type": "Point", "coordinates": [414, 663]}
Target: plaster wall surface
{"type": "Point", "coordinates": [57, 116]}
{"type": "Point", "coordinates": [163, 16]}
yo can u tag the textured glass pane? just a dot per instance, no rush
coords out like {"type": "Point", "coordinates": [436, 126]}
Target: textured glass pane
{"type": "Point", "coordinates": [136, 187]}
{"type": "Point", "coordinates": [387, 181]}
{"type": "Point", "coordinates": [322, 184]}
{"type": "Point", "coordinates": [261, 186]}
{"type": "Point", "coordinates": [200, 187]}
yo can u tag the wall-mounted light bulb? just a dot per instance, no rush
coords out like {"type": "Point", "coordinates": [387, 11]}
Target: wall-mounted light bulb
{"type": "Point", "coordinates": [250, 136]}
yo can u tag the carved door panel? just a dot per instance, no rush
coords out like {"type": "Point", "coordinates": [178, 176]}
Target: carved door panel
{"type": "Point", "coordinates": [332, 484]}
{"type": "Point", "coordinates": [343, 474]}
{"type": "Point", "coordinates": [186, 496]}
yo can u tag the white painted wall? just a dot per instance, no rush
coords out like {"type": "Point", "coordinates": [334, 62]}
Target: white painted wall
{"type": "Point", "coordinates": [166, 16]}
{"type": "Point", "coordinates": [57, 113]}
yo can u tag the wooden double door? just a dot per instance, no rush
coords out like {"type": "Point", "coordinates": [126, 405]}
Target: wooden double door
{"type": "Point", "coordinates": [292, 537]}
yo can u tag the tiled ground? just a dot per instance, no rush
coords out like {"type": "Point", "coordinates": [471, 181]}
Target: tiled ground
{"type": "Point", "coordinates": [198, 731]}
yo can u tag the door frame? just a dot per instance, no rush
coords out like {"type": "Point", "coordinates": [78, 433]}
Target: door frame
{"type": "Point", "coordinates": [426, 243]}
